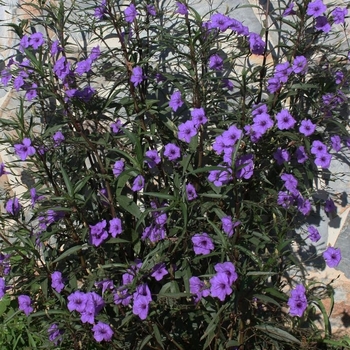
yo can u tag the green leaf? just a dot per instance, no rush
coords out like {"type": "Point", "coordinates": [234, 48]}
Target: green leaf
{"type": "Point", "coordinates": [129, 205]}
{"type": "Point", "coordinates": [156, 334]}
{"type": "Point", "coordinates": [159, 195]}
{"type": "Point", "coordinates": [145, 341]}
{"type": "Point", "coordinates": [278, 333]}
{"type": "Point", "coordinates": [68, 252]}
{"type": "Point", "coordinates": [266, 299]}
{"type": "Point", "coordinates": [67, 182]}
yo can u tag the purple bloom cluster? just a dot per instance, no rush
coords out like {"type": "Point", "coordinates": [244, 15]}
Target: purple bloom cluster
{"type": "Point", "coordinates": [98, 232]}
{"type": "Point", "coordinates": [175, 101]}
{"type": "Point", "coordinates": [322, 157]}
{"type": "Point", "coordinates": [221, 282]}
{"type": "Point", "coordinates": [88, 305]}
{"type": "Point", "coordinates": [157, 230]}
{"type": "Point", "coordinates": [297, 301]}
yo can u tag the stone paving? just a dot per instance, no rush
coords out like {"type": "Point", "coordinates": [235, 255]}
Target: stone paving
{"type": "Point", "coordinates": [334, 230]}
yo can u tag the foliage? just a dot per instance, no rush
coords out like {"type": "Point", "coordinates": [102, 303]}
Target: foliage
{"type": "Point", "coordinates": [170, 160]}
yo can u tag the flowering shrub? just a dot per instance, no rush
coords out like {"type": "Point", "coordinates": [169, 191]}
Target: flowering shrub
{"type": "Point", "coordinates": [169, 179]}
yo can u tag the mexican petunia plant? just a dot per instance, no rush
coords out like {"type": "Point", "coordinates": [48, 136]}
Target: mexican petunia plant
{"type": "Point", "coordinates": [160, 170]}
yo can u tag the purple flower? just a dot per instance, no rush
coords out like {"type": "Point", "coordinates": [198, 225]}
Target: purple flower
{"type": "Point", "coordinates": [220, 286]}
{"type": "Point", "coordinates": [314, 235]}
{"type": "Point", "coordinates": [198, 117]}
{"type": "Point", "coordinates": [202, 243]}
{"type": "Point", "coordinates": [257, 45]}
{"type": "Point", "coordinates": [130, 13]}
{"type": "Point", "coordinates": [2, 287]}
{"type": "Point", "coordinates": [24, 43]}
{"type": "Point", "coordinates": [336, 143]}
{"type": "Point", "coordinates": [100, 10]}
{"type": "Point", "coordinates": [98, 234]}
{"type": "Point", "coordinates": [116, 126]}
{"type": "Point", "coordinates": [245, 166]}
{"type": "Point", "coordinates": [322, 24]}
{"type": "Point", "coordinates": [284, 199]}
{"type": "Point", "coordinates": [186, 131]}
{"type": "Point", "coordinates": [289, 10]}
{"type": "Point", "coordinates": [54, 333]}
{"type": "Point", "coordinates": [31, 92]}
{"type": "Point", "coordinates": [227, 84]}
{"type": "Point", "coordinates": [6, 76]}
{"type": "Point", "coordinates": [181, 8]}
{"type": "Point", "coordinates": [138, 184]}
{"type": "Point", "coordinates": [216, 62]}
{"type": "Point", "coordinates": [191, 192]}
{"type": "Point", "coordinates": [273, 85]}
{"type": "Point", "coordinates": [339, 76]}
{"type": "Point", "coordinates": [106, 284]}
{"type": "Point", "coordinates": [2, 169]}
{"type": "Point", "coordinates": [13, 206]}
{"type": "Point", "coordinates": [301, 155]}
{"type": "Point", "coordinates": [115, 227]}
{"type": "Point", "coordinates": [141, 307]}
{"type": "Point", "coordinates": [316, 8]}
{"type": "Point", "coordinates": [259, 109]}
{"type": "Point", "coordinates": [18, 82]}
{"type": "Point", "coordinates": [25, 304]}
{"type": "Point", "coordinates": [36, 40]}
{"type": "Point", "coordinates": [61, 68]}
{"type": "Point", "coordinates": [172, 152]}
{"type": "Point", "coordinates": [152, 158]}
{"type": "Point", "coordinates": [58, 138]}
{"type": "Point", "coordinates": [290, 182]}
{"type": "Point", "coordinates": [339, 15]}
{"type": "Point", "coordinates": [122, 296]}
{"type": "Point", "coordinates": [102, 331]}
{"type": "Point", "coordinates": [299, 65]}
{"type": "Point", "coordinates": [229, 269]}
{"type": "Point", "coordinates": [151, 10]}
{"type": "Point", "coordinates": [220, 177]}
{"type": "Point", "coordinates": [83, 66]}
{"type": "Point", "coordinates": [231, 136]}
{"type": "Point", "coordinates": [307, 128]}
{"type": "Point", "coordinates": [137, 76]}
{"type": "Point", "coordinates": [198, 288]}
{"type": "Point", "coordinates": [262, 122]}
{"type": "Point", "coordinates": [323, 160]}
{"type": "Point", "coordinates": [118, 167]}
{"type": "Point", "coordinates": [304, 206]}
{"type": "Point", "coordinates": [228, 226]}
{"type": "Point", "coordinates": [318, 148]}
{"type": "Point", "coordinates": [219, 21]}
{"type": "Point", "coordinates": [55, 48]}
{"type": "Point", "coordinates": [282, 71]}
{"type": "Point", "coordinates": [281, 156]}
{"type": "Point", "coordinates": [297, 301]}
{"type": "Point", "coordinates": [77, 301]}
{"type": "Point", "coordinates": [159, 271]}
{"type": "Point", "coordinates": [175, 101]}
{"type": "Point", "coordinates": [332, 256]}
{"type": "Point", "coordinates": [284, 120]}
{"type": "Point", "coordinates": [57, 281]}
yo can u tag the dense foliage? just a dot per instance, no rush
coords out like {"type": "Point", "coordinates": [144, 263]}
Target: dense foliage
{"type": "Point", "coordinates": [163, 167]}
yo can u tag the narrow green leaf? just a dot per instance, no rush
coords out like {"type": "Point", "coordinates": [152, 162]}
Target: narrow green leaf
{"type": "Point", "coordinates": [278, 333]}
{"type": "Point", "coordinates": [67, 182]}
{"type": "Point", "coordinates": [68, 252]}
{"type": "Point", "coordinates": [129, 205]}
